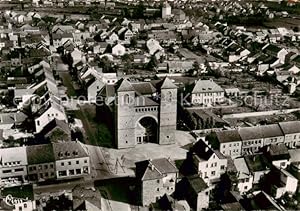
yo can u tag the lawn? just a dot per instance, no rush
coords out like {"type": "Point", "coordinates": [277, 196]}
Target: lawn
{"type": "Point", "coordinates": [67, 81]}
{"type": "Point", "coordinates": [97, 133]}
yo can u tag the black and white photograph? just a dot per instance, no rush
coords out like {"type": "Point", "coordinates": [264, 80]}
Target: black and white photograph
{"type": "Point", "coordinates": [149, 105]}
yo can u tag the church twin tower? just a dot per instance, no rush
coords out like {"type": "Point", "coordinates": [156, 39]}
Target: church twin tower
{"type": "Point", "coordinates": [145, 112]}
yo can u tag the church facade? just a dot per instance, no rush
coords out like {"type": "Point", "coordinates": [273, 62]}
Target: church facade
{"type": "Point", "coordinates": [142, 111]}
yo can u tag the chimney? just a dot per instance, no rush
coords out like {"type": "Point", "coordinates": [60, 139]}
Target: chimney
{"type": "Point", "coordinates": [152, 167]}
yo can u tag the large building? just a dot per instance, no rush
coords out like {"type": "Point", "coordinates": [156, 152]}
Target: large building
{"type": "Point", "coordinates": [207, 93]}
{"type": "Point", "coordinates": [166, 10]}
{"type": "Point", "coordinates": [142, 111]}
{"type": "Point", "coordinates": [71, 160]}
{"type": "Point", "coordinates": [156, 178]}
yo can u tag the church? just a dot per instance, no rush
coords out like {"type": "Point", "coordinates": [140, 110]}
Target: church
{"type": "Point", "coordinates": [141, 111]}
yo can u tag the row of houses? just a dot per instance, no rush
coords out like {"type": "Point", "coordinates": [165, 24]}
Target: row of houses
{"type": "Point", "coordinates": [36, 163]}
{"type": "Point", "coordinates": [249, 140]}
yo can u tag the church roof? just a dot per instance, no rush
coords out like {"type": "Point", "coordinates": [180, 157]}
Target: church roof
{"type": "Point", "coordinates": [166, 83]}
{"type": "Point", "coordinates": [124, 86]}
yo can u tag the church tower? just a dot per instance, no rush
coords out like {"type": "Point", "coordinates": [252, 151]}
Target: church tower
{"type": "Point", "coordinates": [167, 111]}
{"type": "Point", "coordinates": [124, 115]}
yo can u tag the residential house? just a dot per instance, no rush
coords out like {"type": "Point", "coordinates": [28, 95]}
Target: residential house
{"type": "Point", "coordinates": [41, 162]}
{"type": "Point", "coordinates": [13, 166]}
{"type": "Point", "coordinates": [118, 50]}
{"type": "Point", "coordinates": [71, 160]}
{"type": "Point", "coordinates": [207, 93]}
{"type": "Point", "coordinates": [252, 139]}
{"type": "Point", "coordinates": [294, 160]}
{"type": "Point", "coordinates": [100, 47]}
{"type": "Point", "coordinates": [275, 51]}
{"type": "Point", "coordinates": [230, 143]}
{"type": "Point", "coordinates": [156, 178]}
{"type": "Point", "coordinates": [93, 87]}
{"type": "Point", "coordinates": [244, 176]}
{"type": "Point", "coordinates": [258, 166]}
{"type": "Point", "coordinates": [47, 113]}
{"type": "Point", "coordinates": [278, 155]}
{"type": "Point", "coordinates": [181, 66]}
{"type": "Point", "coordinates": [279, 182]}
{"type": "Point", "coordinates": [153, 46]}
{"type": "Point", "coordinates": [55, 131]}
{"type": "Point", "coordinates": [291, 131]}
{"type": "Point", "coordinates": [196, 192]}
{"type": "Point", "coordinates": [271, 134]}
{"type": "Point", "coordinates": [210, 164]}
{"type": "Point", "coordinates": [9, 120]}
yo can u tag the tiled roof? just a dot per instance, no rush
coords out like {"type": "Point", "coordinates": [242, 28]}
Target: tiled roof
{"type": "Point", "coordinates": [204, 86]}
{"type": "Point", "coordinates": [154, 169]}
{"type": "Point", "coordinates": [290, 127]}
{"type": "Point", "coordinates": [228, 136]}
{"type": "Point", "coordinates": [68, 150]}
{"type": "Point", "coordinates": [38, 154]}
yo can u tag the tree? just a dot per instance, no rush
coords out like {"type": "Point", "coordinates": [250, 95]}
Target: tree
{"type": "Point", "coordinates": [152, 64]}
{"type": "Point", "coordinates": [105, 64]}
{"type": "Point", "coordinates": [133, 42]}
{"type": "Point", "coordinates": [127, 60]}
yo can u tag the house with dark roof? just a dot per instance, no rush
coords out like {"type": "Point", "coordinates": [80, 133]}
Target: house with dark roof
{"type": "Point", "coordinates": [252, 139]}
{"type": "Point", "coordinates": [230, 142]}
{"type": "Point", "coordinates": [258, 166]}
{"type": "Point", "coordinates": [155, 179]}
{"type": "Point", "coordinates": [196, 192]}
{"type": "Point", "coordinates": [210, 164]}
{"type": "Point", "coordinates": [71, 160]}
{"type": "Point", "coordinates": [55, 131]}
{"type": "Point", "coordinates": [41, 162]}
{"type": "Point", "coordinates": [291, 131]}
{"type": "Point", "coordinates": [276, 51]}
{"type": "Point", "coordinates": [263, 201]}
{"type": "Point", "coordinates": [279, 182]}
{"type": "Point", "coordinates": [278, 155]}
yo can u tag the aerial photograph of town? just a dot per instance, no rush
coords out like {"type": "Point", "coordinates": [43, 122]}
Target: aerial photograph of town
{"type": "Point", "coordinates": [137, 105]}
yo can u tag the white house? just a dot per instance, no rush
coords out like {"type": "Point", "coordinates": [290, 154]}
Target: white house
{"type": "Point", "coordinates": [50, 111]}
{"type": "Point", "coordinates": [210, 164]}
{"type": "Point", "coordinates": [153, 46]}
{"type": "Point", "coordinates": [71, 160]}
{"type": "Point", "coordinates": [118, 50]}
{"type": "Point", "coordinates": [244, 177]}
{"type": "Point", "coordinates": [207, 93]}
{"type": "Point", "coordinates": [13, 170]}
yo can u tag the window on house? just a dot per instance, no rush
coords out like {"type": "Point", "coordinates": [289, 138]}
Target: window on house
{"type": "Point", "coordinates": [222, 167]}
{"type": "Point", "coordinates": [157, 189]}
{"type": "Point", "coordinates": [62, 163]}
{"type": "Point", "coordinates": [213, 173]}
{"type": "Point", "coordinates": [77, 161]}
{"type": "Point", "coordinates": [69, 163]}
{"type": "Point", "coordinates": [157, 181]}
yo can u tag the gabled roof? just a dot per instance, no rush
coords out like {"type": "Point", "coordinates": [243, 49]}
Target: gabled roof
{"type": "Point", "coordinates": [124, 85]}
{"type": "Point", "coordinates": [68, 150]}
{"type": "Point", "coordinates": [154, 169]}
{"type": "Point", "coordinates": [207, 86]}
